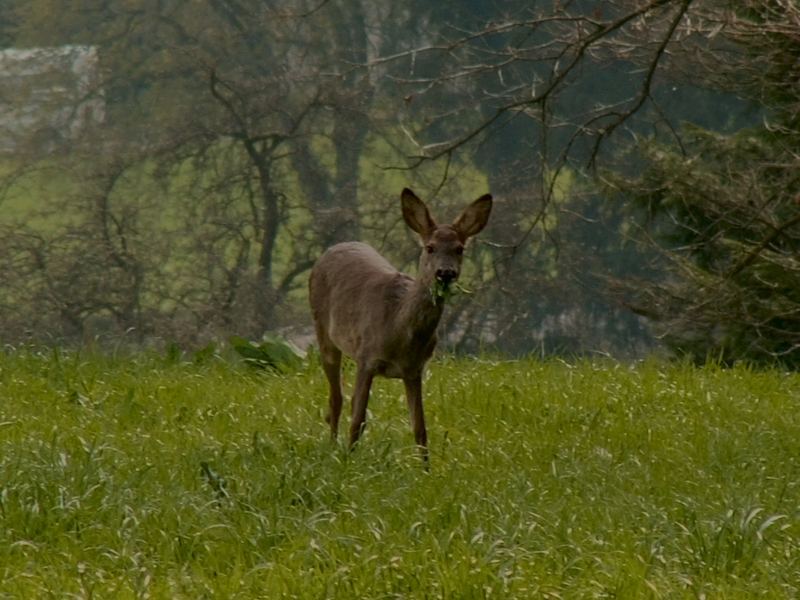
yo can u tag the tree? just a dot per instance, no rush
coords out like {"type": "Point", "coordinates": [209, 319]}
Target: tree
{"type": "Point", "coordinates": [79, 265]}
{"type": "Point", "coordinates": [255, 140]}
{"type": "Point", "coordinates": [249, 123]}
{"type": "Point", "coordinates": [540, 97]}
{"type": "Point", "coordinates": [723, 208]}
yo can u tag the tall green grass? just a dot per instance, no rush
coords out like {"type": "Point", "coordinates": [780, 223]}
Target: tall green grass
{"type": "Point", "coordinates": [139, 477]}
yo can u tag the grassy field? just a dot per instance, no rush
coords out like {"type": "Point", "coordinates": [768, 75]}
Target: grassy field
{"type": "Point", "coordinates": [139, 477]}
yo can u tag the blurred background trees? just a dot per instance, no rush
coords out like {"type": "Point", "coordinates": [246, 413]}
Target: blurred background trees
{"type": "Point", "coordinates": [641, 154]}
{"type": "Point", "coordinates": [725, 205]}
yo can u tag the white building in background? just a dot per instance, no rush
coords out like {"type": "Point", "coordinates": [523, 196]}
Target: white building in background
{"type": "Point", "coordinates": [48, 96]}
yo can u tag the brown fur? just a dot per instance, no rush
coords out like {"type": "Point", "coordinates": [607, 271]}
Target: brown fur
{"type": "Point", "coordinates": [383, 319]}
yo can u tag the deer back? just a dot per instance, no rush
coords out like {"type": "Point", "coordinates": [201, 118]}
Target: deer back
{"type": "Point", "coordinates": [370, 310]}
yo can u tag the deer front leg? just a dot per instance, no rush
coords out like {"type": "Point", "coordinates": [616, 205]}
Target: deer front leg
{"type": "Point", "coordinates": [417, 415]}
{"type": "Point", "coordinates": [360, 398]}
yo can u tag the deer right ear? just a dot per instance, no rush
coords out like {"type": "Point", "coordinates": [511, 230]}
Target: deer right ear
{"type": "Point", "coordinates": [416, 214]}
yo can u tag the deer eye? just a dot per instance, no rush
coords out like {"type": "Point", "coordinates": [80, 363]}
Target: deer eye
{"type": "Point", "coordinates": [460, 250]}
{"type": "Point", "coordinates": [429, 249]}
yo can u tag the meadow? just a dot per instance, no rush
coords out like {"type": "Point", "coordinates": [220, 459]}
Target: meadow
{"type": "Point", "coordinates": [144, 477]}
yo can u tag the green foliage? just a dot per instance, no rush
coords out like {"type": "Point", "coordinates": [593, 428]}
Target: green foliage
{"type": "Point", "coordinates": [722, 208]}
{"type": "Point", "coordinates": [139, 477]}
{"type": "Point", "coordinates": [205, 354]}
{"type": "Point", "coordinates": [725, 211]}
{"type": "Point", "coordinates": [273, 352]}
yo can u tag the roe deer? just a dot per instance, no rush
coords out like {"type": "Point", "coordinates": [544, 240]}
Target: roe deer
{"type": "Point", "coordinates": [383, 319]}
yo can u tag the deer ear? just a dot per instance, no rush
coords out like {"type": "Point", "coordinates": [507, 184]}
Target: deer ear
{"type": "Point", "coordinates": [474, 218]}
{"type": "Point", "coordinates": [416, 214]}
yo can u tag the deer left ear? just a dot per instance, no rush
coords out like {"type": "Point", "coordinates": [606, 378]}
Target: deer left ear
{"type": "Point", "coordinates": [474, 218]}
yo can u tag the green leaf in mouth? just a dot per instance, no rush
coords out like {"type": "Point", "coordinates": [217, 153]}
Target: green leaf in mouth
{"type": "Point", "coordinates": [444, 291]}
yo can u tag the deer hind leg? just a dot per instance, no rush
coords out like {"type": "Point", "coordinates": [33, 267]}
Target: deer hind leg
{"type": "Point", "coordinates": [331, 358]}
{"type": "Point", "coordinates": [331, 364]}
{"type": "Point", "coordinates": [360, 398]}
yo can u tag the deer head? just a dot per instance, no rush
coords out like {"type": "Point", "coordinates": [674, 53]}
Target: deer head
{"type": "Point", "coordinates": [443, 245]}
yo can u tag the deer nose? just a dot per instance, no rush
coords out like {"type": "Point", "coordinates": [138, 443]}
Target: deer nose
{"type": "Point", "coordinates": [446, 275]}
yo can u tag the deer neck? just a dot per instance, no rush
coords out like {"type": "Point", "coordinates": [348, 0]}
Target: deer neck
{"type": "Point", "coordinates": [421, 311]}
